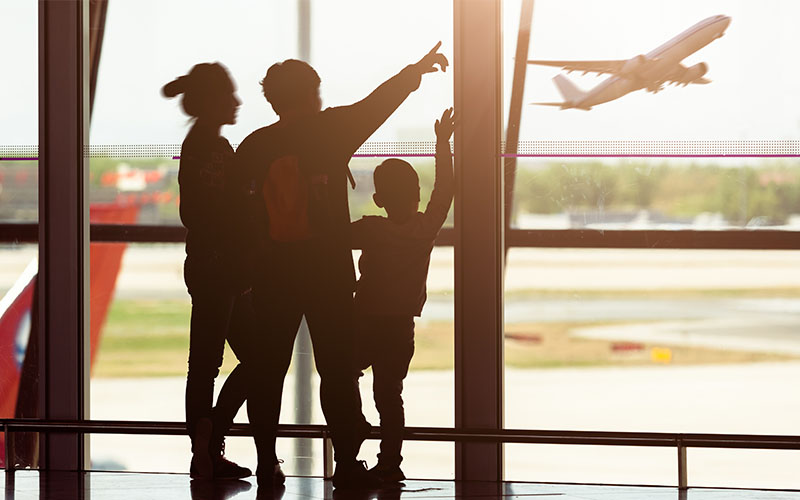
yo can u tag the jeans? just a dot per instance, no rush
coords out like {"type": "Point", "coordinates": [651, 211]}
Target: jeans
{"type": "Point", "coordinates": [217, 314]}
{"type": "Point", "coordinates": [234, 392]}
{"type": "Point", "coordinates": [211, 314]}
{"type": "Point", "coordinates": [387, 344]}
{"type": "Point", "coordinates": [280, 303]}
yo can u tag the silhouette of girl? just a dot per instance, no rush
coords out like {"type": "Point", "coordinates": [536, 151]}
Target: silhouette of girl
{"type": "Point", "coordinates": [210, 196]}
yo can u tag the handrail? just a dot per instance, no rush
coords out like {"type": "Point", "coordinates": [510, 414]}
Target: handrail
{"type": "Point", "coordinates": [680, 441]}
{"type": "Point", "coordinates": [728, 239]}
{"type": "Point", "coordinates": [531, 436]}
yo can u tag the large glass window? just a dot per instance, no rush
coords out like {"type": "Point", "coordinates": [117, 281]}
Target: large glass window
{"type": "Point", "coordinates": [736, 105]}
{"type": "Point", "coordinates": [663, 340]}
{"type": "Point", "coordinates": [19, 133]}
{"type": "Point", "coordinates": [664, 194]}
{"type": "Point", "coordinates": [19, 208]}
{"type": "Point", "coordinates": [135, 141]}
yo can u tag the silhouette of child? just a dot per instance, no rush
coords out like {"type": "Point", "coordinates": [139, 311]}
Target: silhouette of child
{"type": "Point", "coordinates": [391, 291]}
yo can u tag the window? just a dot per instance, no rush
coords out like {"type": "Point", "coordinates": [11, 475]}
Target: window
{"type": "Point", "coordinates": [651, 339]}
{"type": "Point", "coordinates": [19, 209]}
{"type": "Point", "coordinates": [135, 142]}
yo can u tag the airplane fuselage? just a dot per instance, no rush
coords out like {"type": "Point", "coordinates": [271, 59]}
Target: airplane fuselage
{"type": "Point", "coordinates": [659, 63]}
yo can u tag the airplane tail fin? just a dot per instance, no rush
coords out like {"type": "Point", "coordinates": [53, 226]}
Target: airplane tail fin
{"type": "Point", "coordinates": [569, 91]}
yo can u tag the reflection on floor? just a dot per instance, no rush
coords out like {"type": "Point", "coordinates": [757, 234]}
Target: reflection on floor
{"type": "Point", "coordinates": [28, 485]}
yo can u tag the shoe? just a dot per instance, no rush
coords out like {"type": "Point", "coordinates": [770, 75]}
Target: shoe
{"type": "Point", "coordinates": [355, 476]}
{"type": "Point", "coordinates": [225, 469]}
{"type": "Point", "coordinates": [388, 474]}
{"type": "Point", "coordinates": [268, 478]}
{"type": "Point", "coordinates": [202, 466]}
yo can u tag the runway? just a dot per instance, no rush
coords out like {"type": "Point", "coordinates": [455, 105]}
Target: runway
{"type": "Point", "coordinates": [749, 398]}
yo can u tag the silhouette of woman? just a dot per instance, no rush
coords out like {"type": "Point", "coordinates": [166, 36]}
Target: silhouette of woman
{"type": "Point", "coordinates": [210, 197]}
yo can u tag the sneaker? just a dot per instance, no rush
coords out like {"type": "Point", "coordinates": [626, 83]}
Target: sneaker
{"type": "Point", "coordinates": [355, 476]}
{"type": "Point", "coordinates": [202, 466]}
{"type": "Point", "coordinates": [388, 474]}
{"type": "Point", "coordinates": [225, 469]}
{"type": "Point", "coordinates": [275, 477]}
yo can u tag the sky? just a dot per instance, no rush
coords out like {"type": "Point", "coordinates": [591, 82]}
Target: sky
{"type": "Point", "coordinates": [755, 89]}
{"type": "Point", "coordinates": [357, 44]}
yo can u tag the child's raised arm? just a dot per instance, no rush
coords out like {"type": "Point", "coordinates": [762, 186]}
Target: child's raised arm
{"type": "Point", "coordinates": [444, 127]}
{"type": "Point", "coordinates": [443, 186]}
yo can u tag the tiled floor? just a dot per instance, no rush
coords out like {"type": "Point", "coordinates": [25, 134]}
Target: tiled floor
{"type": "Point", "coordinates": [27, 485]}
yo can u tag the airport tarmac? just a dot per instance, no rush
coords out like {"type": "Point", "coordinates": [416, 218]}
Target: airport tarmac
{"type": "Point", "coordinates": [156, 270]}
{"type": "Point", "coordinates": [744, 398]}
{"type": "Point", "coordinates": [745, 300]}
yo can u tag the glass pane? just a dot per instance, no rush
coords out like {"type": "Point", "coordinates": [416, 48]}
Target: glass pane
{"type": "Point", "coordinates": [19, 371]}
{"type": "Point", "coordinates": [652, 340]}
{"type": "Point", "coordinates": [19, 185]}
{"type": "Point", "coordinates": [743, 468]}
{"type": "Point", "coordinates": [135, 147]}
{"type": "Point", "coordinates": [19, 189]}
{"type": "Point", "coordinates": [20, 97]}
{"type": "Point", "coordinates": [657, 194]}
{"type": "Point", "coordinates": [591, 464]}
{"type": "Point", "coordinates": [20, 104]}
{"type": "Point", "coordinates": [646, 38]}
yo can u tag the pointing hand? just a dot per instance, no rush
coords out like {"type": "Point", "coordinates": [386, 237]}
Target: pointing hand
{"type": "Point", "coordinates": [428, 63]}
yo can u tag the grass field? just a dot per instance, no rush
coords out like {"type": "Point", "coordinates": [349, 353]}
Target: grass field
{"type": "Point", "coordinates": [148, 338]}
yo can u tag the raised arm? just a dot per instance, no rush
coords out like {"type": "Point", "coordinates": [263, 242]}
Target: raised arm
{"type": "Point", "coordinates": [352, 125]}
{"type": "Point", "coordinates": [443, 186]}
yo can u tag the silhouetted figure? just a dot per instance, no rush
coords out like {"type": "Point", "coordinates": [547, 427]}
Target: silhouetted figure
{"type": "Point", "coordinates": [395, 256]}
{"type": "Point", "coordinates": [214, 270]}
{"type": "Point", "coordinates": [301, 165]}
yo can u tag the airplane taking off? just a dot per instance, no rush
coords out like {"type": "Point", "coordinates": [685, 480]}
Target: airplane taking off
{"type": "Point", "coordinates": [651, 71]}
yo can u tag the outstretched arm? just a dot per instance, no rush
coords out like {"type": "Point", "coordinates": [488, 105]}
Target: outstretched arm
{"type": "Point", "coordinates": [352, 125]}
{"type": "Point", "coordinates": [443, 186]}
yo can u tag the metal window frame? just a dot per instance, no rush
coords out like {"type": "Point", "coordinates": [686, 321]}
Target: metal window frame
{"type": "Point", "coordinates": [63, 229]}
{"type": "Point", "coordinates": [757, 239]}
{"type": "Point", "coordinates": [478, 234]}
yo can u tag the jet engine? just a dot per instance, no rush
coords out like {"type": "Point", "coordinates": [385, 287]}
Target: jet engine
{"type": "Point", "coordinates": [695, 72]}
{"type": "Point", "coordinates": [634, 65]}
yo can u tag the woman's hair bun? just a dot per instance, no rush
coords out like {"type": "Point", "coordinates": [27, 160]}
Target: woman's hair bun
{"type": "Point", "coordinates": [175, 87]}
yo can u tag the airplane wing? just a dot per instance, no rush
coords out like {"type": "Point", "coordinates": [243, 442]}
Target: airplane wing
{"type": "Point", "coordinates": [599, 67]}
